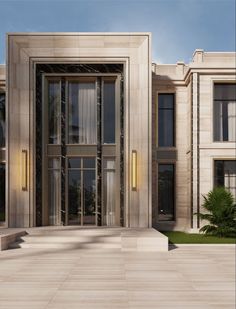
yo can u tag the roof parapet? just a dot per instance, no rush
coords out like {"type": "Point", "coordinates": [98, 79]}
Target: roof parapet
{"type": "Point", "coordinates": [2, 74]}
{"type": "Point", "coordinates": [154, 67]}
{"type": "Point", "coordinates": [170, 71]}
{"type": "Point", "coordinates": [180, 68]}
{"type": "Point", "coordinates": [198, 55]}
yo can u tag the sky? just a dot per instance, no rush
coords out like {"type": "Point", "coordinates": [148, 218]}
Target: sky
{"type": "Point", "coordinates": [178, 27]}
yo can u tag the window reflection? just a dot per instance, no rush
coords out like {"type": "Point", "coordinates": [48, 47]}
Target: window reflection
{"type": "Point", "coordinates": [225, 112]}
{"type": "Point", "coordinates": [89, 197]}
{"type": "Point", "coordinates": [82, 113]}
{"type": "Point", "coordinates": [225, 175]}
{"type": "Point", "coordinates": [74, 162]}
{"type": "Point", "coordinates": [74, 197]}
{"type": "Point", "coordinates": [166, 120]}
{"type": "Point", "coordinates": [109, 113]}
{"type": "Point", "coordinates": [166, 189]}
{"type": "Point", "coordinates": [88, 163]}
{"type": "Point", "coordinates": [82, 191]}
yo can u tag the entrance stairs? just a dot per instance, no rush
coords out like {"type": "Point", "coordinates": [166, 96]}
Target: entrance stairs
{"type": "Point", "coordinates": [97, 238]}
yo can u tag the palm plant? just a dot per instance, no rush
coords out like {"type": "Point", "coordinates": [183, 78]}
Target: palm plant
{"type": "Point", "coordinates": [221, 213]}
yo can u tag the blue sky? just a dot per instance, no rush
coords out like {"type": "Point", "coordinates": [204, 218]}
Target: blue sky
{"type": "Point", "coordinates": [178, 26]}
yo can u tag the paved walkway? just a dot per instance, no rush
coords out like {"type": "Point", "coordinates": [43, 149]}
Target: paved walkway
{"type": "Point", "coordinates": [183, 278]}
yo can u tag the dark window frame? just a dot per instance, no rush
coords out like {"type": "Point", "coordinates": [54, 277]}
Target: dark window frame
{"type": "Point", "coordinates": [173, 94]}
{"type": "Point", "coordinates": [68, 70]}
{"type": "Point", "coordinates": [220, 178]}
{"type": "Point", "coordinates": [104, 109]}
{"type": "Point", "coordinates": [174, 190]}
{"type": "Point", "coordinates": [225, 137]}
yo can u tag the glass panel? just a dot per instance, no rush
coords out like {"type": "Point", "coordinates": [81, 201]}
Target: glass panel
{"type": "Point", "coordinates": [166, 189]}
{"type": "Point", "coordinates": [165, 131]}
{"type": "Point", "coordinates": [109, 190]}
{"type": "Point", "coordinates": [82, 113]}
{"type": "Point", "coordinates": [218, 121]}
{"type": "Point", "coordinates": [230, 176]}
{"type": "Point", "coordinates": [54, 163]}
{"type": "Point", "coordinates": [74, 197]}
{"type": "Point", "coordinates": [224, 121]}
{"type": "Point", "coordinates": [166, 120]}
{"type": "Point", "coordinates": [219, 173]}
{"type": "Point", "coordinates": [89, 197]}
{"type": "Point", "coordinates": [54, 196]}
{"type": "Point", "coordinates": [225, 112]}
{"type": "Point", "coordinates": [109, 113]}
{"type": "Point", "coordinates": [54, 112]}
{"type": "Point", "coordinates": [225, 175]}
{"type": "Point", "coordinates": [225, 92]}
{"type": "Point", "coordinates": [88, 163]}
{"type": "Point", "coordinates": [2, 120]}
{"type": "Point", "coordinates": [2, 191]}
{"type": "Point", "coordinates": [166, 101]}
{"type": "Point", "coordinates": [74, 163]}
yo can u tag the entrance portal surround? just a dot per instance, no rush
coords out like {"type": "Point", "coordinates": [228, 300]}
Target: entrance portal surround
{"type": "Point", "coordinates": [23, 53]}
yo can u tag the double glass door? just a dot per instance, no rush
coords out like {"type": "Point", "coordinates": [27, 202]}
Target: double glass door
{"type": "Point", "coordinates": [81, 150]}
{"type": "Point", "coordinates": [82, 192]}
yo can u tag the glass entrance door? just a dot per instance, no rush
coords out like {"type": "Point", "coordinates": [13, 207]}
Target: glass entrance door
{"type": "Point", "coordinates": [81, 150]}
{"type": "Point", "coordinates": [81, 193]}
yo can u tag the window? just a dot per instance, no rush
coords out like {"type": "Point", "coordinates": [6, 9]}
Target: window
{"type": "Point", "coordinates": [225, 175]}
{"type": "Point", "coordinates": [82, 113]}
{"type": "Point", "coordinates": [54, 112]}
{"type": "Point", "coordinates": [109, 112]}
{"type": "Point", "coordinates": [166, 121]}
{"type": "Point", "coordinates": [166, 192]}
{"type": "Point", "coordinates": [225, 112]}
{"type": "Point", "coordinates": [2, 119]}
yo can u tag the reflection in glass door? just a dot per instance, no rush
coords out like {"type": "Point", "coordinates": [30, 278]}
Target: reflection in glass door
{"type": "Point", "coordinates": [81, 191]}
{"type": "Point", "coordinates": [89, 197]}
{"type": "Point", "coordinates": [74, 197]}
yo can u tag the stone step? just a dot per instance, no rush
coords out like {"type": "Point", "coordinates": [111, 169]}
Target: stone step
{"type": "Point", "coordinates": [71, 239]}
{"type": "Point", "coordinates": [9, 236]}
{"type": "Point", "coordinates": [74, 234]}
{"type": "Point", "coordinates": [125, 239]}
{"type": "Point", "coordinates": [69, 245]}
{"type": "Point", "coordinates": [74, 229]}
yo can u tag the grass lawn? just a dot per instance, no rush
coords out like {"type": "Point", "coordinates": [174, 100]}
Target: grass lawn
{"type": "Point", "coordinates": [186, 238]}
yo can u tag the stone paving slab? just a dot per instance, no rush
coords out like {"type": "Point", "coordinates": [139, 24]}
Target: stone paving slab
{"type": "Point", "coordinates": [193, 277]}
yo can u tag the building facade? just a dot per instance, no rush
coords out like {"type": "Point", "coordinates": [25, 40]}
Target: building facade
{"type": "Point", "coordinates": [93, 133]}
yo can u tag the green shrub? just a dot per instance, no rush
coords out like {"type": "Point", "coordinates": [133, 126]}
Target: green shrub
{"type": "Point", "coordinates": [221, 213]}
